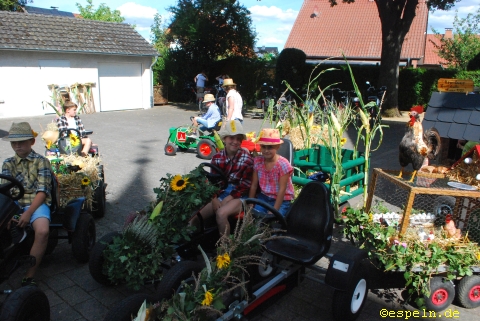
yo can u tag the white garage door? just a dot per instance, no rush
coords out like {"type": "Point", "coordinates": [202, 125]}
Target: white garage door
{"type": "Point", "coordinates": [120, 86]}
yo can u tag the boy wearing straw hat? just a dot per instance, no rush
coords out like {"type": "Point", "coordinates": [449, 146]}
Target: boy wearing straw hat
{"type": "Point", "coordinates": [70, 119]}
{"type": "Point", "coordinates": [237, 164]}
{"type": "Point", "coordinates": [272, 174]}
{"type": "Point", "coordinates": [33, 171]}
{"type": "Point", "coordinates": [211, 116]}
{"type": "Point", "coordinates": [234, 101]}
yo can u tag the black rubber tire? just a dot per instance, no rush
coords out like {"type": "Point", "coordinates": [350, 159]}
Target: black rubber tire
{"type": "Point", "coordinates": [206, 149]}
{"type": "Point", "coordinates": [442, 206]}
{"type": "Point", "coordinates": [441, 296]}
{"type": "Point", "coordinates": [95, 264]}
{"type": "Point", "coordinates": [27, 303]}
{"type": "Point", "coordinates": [173, 278]}
{"type": "Point", "coordinates": [128, 307]}
{"type": "Point", "coordinates": [83, 238]}
{"type": "Point", "coordinates": [99, 201]}
{"type": "Point", "coordinates": [170, 149]}
{"type": "Point", "coordinates": [347, 305]}
{"type": "Point", "coordinates": [468, 292]}
{"type": "Point", "coordinates": [52, 241]}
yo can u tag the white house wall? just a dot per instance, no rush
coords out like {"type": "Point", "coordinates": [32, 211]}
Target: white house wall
{"type": "Point", "coordinates": [25, 75]}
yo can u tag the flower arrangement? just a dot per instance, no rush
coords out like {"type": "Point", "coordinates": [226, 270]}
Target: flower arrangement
{"type": "Point", "coordinates": [390, 251]}
{"type": "Point", "coordinates": [136, 256]}
{"type": "Point", "coordinates": [223, 275]}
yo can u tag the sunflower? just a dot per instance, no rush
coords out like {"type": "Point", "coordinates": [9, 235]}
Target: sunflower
{"type": "Point", "coordinates": [343, 141]}
{"type": "Point", "coordinates": [74, 140]}
{"type": "Point", "coordinates": [178, 183]}
{"type": "Point", "coordinates": [208, 298]}
{"type": "Point", "coordinates": [223, 261]}
{"type": "Point", "coordinates": [49, 144]}
{"type": "Point", "coordinates": [85, 181]}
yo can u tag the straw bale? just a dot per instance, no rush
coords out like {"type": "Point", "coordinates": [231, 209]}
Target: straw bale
{"type": "Point", "coordinates": [466, 173]}
{"type": "Point", "coordinates": [317, 132]}
{"type": "Point", "coordinates": [70, 185]}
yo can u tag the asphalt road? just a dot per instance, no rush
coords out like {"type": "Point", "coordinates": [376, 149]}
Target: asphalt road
{"type": "Point", "coordinates": [131, 145]}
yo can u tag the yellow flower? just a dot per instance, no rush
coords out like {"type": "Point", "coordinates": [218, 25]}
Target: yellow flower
{"type": "Point", "coordinates": [343, 141]}
{"type": "Point", "coordinates": [85, 181]}
{"type": "Point", "coordinates": [223, 261]}
{"type": "Point", "coordinates": [178, 183]}
{"type": "Point", "coordinates": [74, 140]}
{"type": "Point", "coordinates": [49, 144]}
{"type": "Point", "coordinates": [208, 298]}
{"type": "Point", "coordinates": [478, 256]}
{"type": "Point", "coordinates": [370, 217]}
{"type": "Point", "coordinates": [34, 133]}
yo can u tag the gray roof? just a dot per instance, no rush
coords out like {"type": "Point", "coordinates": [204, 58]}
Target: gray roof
{"type": "Point", "coordinates": [51, 12]}
{"type": "Point", "coordinates": [454, 115]}
{"type": "Point", "coordinates": [36, 32]}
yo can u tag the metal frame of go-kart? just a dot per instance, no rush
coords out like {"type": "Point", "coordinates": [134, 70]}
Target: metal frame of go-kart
{"type": "Point", "coordinates": [347, 274]}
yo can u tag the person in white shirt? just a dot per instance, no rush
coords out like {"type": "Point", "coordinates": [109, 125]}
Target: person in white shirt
{"type": "Point", "coordinates": [234, 101]}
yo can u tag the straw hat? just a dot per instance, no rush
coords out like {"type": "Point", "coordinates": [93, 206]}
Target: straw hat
{"type": "Point", "coordinates": [269, 136]}
{"type": "Point", "coordinates": [20, 132]}
{"type": "Point", "coordinates": [208, 97]}
{"type": "Point", "coordinates": [232, 128]}
{"type": "Point", "coordinates": [228, 82]}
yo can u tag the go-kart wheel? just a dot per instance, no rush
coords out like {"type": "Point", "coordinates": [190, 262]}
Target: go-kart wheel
{"type": "Point", "coordinates": [173, 278]}
{"type": "Point", "coordinates": [95, 264]}
{"type": "Point", "coordinates": [6, 188]}
{"type": "Point", "coordinates": [206, 149]}
{"type": "Point", "coordinates": [65, 147]}
{"type": "Point", "coordinates": [442, 206]}
{"type": "Point", "coordinates": [170, 149]}
{"type": "Point", "coordinates": [468, 292]}
{"type": "Point", "coordinates": [269, 208]}
{"type": "Point", "coordinates": [26, 303]}
{"type": "Point", "coordinates": [219, 178]}
{"type": "Point", "coordinates": [83, 238]}
{"type": "Point", "coordinates": [128, 307]}
{"type": "Point", "coordinates": [347, 305]}
{"type": "Point", "coordinates": [99, 200]}
{"type": "Point", "coordinates": [442, 293]}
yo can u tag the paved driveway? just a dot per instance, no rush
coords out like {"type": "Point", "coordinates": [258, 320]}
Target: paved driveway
{"type": "Point", "coordinates": [131, 145]}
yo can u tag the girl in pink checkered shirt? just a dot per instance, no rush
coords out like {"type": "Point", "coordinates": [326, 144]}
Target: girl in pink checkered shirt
{"type": "Point", "coordinates": [272, 173]}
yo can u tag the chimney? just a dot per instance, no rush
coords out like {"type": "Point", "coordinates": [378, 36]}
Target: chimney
{"type": "Point", "coordinates": [448, 33]}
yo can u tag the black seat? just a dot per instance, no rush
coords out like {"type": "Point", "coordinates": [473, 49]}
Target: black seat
{"type": "Point", "coordinates": [309, 227]}
{"type": "Point", "coordinates": [55, 194]}
{"type": "Point", "coordinates": [286, 150]}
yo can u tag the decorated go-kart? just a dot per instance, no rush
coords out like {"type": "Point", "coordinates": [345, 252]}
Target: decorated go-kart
{"type": "Point", "coordinates": [205, 144]}
{"type": "Point", "coordinates": [224, 291]}
{"type": "Point", "coordinates": [29, 302]}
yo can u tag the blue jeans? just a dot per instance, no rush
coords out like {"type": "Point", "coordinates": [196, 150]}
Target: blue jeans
{"type": "Point", "coordinates": [202, 122]}
{"type": "Point", "coordinates": [42, 211]}
{"type": "Point", "coordinates": [227, 192]}
{"type": "Point", "coordinates": [271, 201]}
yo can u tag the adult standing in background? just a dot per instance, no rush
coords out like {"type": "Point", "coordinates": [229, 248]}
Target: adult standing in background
{"type": "Point", "coordinates": [200, 80]}
{"type": "Point", "coordinates": [221, 78]}
{"type": "Point", "coordinates": [234, 101]}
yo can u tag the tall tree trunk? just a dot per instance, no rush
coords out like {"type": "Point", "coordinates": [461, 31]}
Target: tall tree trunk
{"type": "Point", "coordinates": [396, 17]}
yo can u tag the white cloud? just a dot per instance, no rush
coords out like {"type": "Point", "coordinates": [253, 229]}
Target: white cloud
{"type": "Point", "coordinates": [285, 28]}
{"type": "Point", "coordinates": [273, 40]}
{"type": "Point", "coordinates": [259, 13]}
{"type": "Point", "coordinates": [133, 10]}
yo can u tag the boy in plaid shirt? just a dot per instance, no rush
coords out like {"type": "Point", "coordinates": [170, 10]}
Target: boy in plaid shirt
{"type": "Point", "coordinates": [33, 171]}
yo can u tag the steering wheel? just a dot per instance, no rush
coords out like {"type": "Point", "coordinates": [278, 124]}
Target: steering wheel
{"type": "Point", "coordinates": [219, 179]}
{"type": "Point", "coordinates": [270, 208]}
{"type": "Point", "coordinates": [6, 188]}
{"type": "Point", "coordinates": [65, 148]}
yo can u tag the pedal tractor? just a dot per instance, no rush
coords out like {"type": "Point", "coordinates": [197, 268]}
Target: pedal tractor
{"type": "Point", "coordinates": [205, 144]}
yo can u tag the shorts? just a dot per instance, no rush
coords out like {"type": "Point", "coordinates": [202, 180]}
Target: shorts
{"type": "Point", "coordinates": [202, 122]}
{"type": "Point", "coordinates": [42, 211]}
{"type": "Point", "coordinates": [271, 201]}
{"type": "Point", "coordinates": [227, 192]}
{"type": "Point", "coordinates": [240, 120]}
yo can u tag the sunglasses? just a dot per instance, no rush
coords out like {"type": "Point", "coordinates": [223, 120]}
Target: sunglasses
{"type": "Point", "coordinates": [267, 147]}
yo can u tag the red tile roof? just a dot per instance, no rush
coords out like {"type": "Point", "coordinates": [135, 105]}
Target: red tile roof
{"type": "Point", "coordinates": [431, 56]}
{"type": "Point", "coordinates": [324, 31]}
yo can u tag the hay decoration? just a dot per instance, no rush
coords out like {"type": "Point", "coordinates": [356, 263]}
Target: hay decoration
{"type": "Point", "coordinates": [466, 173]}
{"type": "Point", "coordinates": [317, 135]}
{"type": "Point", "coordinates": [81, 183]}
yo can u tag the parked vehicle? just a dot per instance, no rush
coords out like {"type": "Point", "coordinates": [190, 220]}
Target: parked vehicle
{"type": "Point", "coordinates": [375, 96]}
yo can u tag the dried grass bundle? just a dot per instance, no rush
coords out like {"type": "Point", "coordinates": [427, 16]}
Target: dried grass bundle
{"type": "Point", "coordinates": [466, 173]}
{"type": "Point", "coordinates": [298, 136]}
{"type": "Point", "coordinates": [81, 183]}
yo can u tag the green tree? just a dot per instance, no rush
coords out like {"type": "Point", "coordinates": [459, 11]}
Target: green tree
{"type": "Point", "coordinates": [102, 13]}
{"type": "Point", "coordinates": [396, 18]}
{"type": "Point", "coordinates": [13, 5]}
{"type": "Point", "coordinates": [465, 44]}
{"type": "Point", "coordinates": [158, 37]}
{"type": "Point", "coordinates": [208, 30]}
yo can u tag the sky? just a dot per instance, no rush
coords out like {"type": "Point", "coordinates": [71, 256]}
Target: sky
{"type": "Point", "coordinates": [272, 19]}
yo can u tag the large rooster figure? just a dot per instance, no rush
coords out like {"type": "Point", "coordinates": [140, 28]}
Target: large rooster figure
{"type": "Point", "coordinates": [416, 145]}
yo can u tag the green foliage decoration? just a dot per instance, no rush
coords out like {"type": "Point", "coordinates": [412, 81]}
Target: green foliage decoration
{"type": "Point", "coordinates": [147, 240]}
